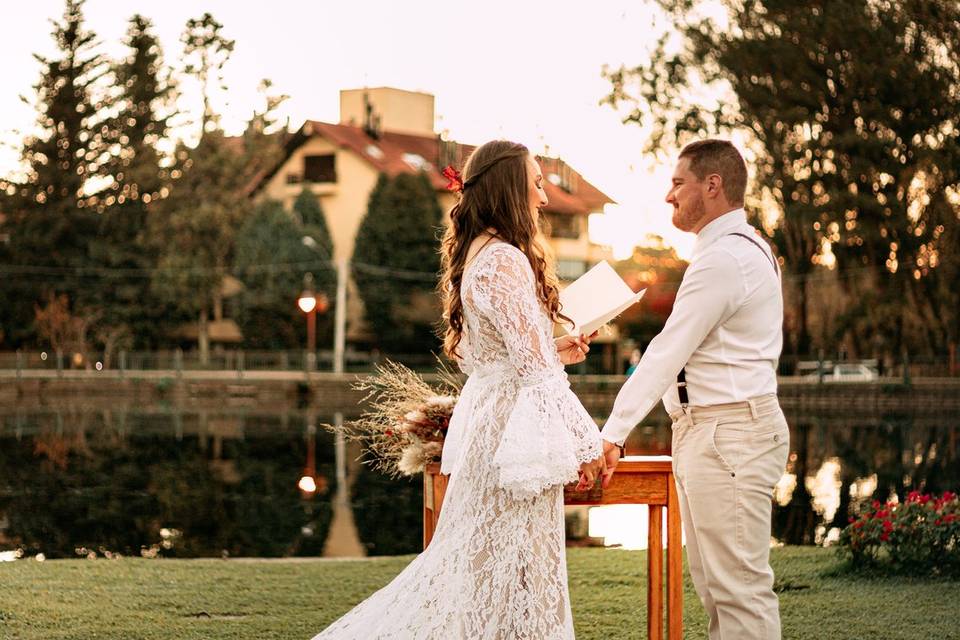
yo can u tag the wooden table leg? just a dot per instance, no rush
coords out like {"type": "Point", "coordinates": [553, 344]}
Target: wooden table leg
{"type": "Point", "coordinates": [434, 489]}
{"type": "Point", "coordinates": [428, 507]}
{"type": "Point", "coordinates": [655, 573]}
{"type": "Point", "coordinates": [674, 563]}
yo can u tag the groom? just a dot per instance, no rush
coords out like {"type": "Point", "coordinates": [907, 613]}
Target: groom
{"type": "Point", "coordinates": [714, 366]}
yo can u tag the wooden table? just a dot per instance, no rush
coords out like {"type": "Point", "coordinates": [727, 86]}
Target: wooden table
{"type": "Point", "coordinates": [639, 480]}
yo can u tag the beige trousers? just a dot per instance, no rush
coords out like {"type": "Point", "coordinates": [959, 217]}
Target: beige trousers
{"type": "Point", "coordinates": [726, 461]}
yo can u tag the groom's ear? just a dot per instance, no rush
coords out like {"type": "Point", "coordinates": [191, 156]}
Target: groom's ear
{"type": "Point", "coordinates": [714, 185]}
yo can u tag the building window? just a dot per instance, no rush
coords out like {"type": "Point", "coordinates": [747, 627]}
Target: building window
{"type": "Point", "coordinates": [563, 226]}
{"type": "Point", "coordinates": [568, 269]}
{"type": "Point", "coordinates": [319, 169]}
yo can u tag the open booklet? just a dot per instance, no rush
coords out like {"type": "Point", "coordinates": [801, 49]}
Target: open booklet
{"type": "Point", "coordinates": [596, 298]}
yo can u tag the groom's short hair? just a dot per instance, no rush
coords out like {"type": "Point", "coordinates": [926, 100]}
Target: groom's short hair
{"type": "Point", "coordinates": [722, 158]}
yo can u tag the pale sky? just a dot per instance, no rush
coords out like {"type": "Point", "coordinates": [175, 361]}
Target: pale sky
{"type": "Point", "coordinates": [520, 70]}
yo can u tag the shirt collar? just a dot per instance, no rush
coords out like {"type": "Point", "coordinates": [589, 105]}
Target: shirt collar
{"type": "Point", "coordinates": [718, 228]}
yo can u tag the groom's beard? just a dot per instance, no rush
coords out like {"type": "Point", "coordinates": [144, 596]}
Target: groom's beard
{"type": "Point", "coordinates": [686, 218]}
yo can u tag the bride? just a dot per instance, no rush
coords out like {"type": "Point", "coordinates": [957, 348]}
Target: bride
{"type": "Point", "coordinates": [496, 568]}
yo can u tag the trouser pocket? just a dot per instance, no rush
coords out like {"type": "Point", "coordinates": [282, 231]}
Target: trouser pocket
{"type": "Point", "coordinates": [725, 443]}
{"type": "Point", "coordinates": [758, 448]}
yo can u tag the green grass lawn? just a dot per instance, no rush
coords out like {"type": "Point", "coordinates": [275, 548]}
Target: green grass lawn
{"type": "Point", "coordinates": [135, 599]}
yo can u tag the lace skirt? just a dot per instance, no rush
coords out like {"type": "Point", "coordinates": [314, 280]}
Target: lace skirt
{"type": "Point", "coordinates": [496, 568]}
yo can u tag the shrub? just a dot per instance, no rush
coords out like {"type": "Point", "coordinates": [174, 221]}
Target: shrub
{"type": "Point", "coordinates": [919, 536]}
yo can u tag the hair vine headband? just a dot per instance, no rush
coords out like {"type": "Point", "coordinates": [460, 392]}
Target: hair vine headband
{"type": "Point", "coordinates": [455, 180]}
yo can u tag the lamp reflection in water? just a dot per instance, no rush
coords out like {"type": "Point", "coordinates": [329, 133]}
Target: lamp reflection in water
{"type": "Point", "coordinates": [309, 484]}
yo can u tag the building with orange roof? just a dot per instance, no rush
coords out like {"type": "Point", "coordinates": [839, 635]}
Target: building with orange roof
{"type": "Point", "coordinates": [388, 130]}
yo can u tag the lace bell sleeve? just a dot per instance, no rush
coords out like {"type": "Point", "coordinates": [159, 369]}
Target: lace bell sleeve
{"type": "Point", "coordinates": [548, 433]}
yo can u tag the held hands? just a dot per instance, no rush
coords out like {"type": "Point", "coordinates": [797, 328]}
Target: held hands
{"type": "Point", "coordinates": [589, 471]}
{"type": "Point", "coordinates": [573, 349]}
{"type": "Point", "coordinates": [603, 466]}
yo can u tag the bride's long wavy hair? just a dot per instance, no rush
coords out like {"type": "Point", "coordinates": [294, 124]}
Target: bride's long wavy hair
{"type": "Point", "coordinates": [495, 195]}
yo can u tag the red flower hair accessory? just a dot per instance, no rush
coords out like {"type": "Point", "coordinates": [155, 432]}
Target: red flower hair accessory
{"type": "Point", "coordinates": [455, 181]}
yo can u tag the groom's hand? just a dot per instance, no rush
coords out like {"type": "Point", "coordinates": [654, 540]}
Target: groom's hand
{"type": "Point", "coordinates": [611, 456]}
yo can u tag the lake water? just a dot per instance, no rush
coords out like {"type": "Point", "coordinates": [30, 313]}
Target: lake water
{"type": "Point", "coordinates": [85, 479]}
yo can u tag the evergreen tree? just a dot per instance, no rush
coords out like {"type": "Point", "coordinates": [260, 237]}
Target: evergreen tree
{"type": "Point", "coordinates": [309, 214]}
{"type": "Point", "coordinates": [271, 259]}
{"type": "Point", "coordinates": [138, 182]}
{"type": "Point", "coordinates": [51, 218]}
{"type": "Point", "coordinates": [395, 262]}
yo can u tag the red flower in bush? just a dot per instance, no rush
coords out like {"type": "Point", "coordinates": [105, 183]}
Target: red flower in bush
{"type": "Point", "coordinates": [927, 540]}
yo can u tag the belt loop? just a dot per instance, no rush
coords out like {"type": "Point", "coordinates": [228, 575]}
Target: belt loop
{"type": "Point", "coordinates": [754, 412]}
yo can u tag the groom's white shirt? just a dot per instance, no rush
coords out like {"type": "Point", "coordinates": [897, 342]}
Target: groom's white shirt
{"type": "Point", "coordinates": [726, 328]}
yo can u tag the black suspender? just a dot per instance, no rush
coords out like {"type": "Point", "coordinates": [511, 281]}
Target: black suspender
{"type": "Point", "coordinates": [682, 388]}
{"type": "Point", "coordinates": [773, 262]}
{"type": "Point", "coordinates": [682, 376]}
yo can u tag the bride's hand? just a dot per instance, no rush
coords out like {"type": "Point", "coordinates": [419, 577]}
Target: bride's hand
{"type": "Point", "coordinates": [590, 471]}
{"type": "Point", "coordinates": [573, 349]}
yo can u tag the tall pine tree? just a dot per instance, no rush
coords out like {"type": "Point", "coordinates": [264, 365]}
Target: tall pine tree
{"type": "Point", "coordinates": [51, 216]}
{"type": "Point", "coordinates": [137, 183]}
{"type": "Point", "coordinates": [396, 260]}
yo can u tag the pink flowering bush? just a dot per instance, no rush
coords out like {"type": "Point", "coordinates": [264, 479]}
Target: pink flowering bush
{"type": "Point", "coordinates": [919, 536]}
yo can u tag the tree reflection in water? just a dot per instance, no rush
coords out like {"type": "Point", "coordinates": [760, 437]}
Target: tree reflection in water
{"type": "Point", "coordinates": [158, 481]}
{"type": "Point", "coordinates": [155, 482]}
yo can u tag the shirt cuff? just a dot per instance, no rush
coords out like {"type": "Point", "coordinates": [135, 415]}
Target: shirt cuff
{"type": "Point", "coordinates": [616, 430]}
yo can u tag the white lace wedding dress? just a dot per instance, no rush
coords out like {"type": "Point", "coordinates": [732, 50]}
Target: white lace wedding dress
{"type": "Point", "coordinates": [496, 568]}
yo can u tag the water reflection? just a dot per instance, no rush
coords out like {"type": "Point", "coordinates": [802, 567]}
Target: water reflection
{"type": "Point", "coordinates": [153, 481]}
{"type": "Point", "coordinates": [263, 481]}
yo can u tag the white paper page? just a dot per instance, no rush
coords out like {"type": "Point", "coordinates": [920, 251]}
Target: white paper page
{"type": "Point", "coordinates": [596, 298]}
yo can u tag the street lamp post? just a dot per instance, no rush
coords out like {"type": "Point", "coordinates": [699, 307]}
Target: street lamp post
{"type": "Point", "coordinates": [311, 303]}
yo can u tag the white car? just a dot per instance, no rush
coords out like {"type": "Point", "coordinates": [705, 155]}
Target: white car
{"type": "Point", "coordinates": [847, 372]}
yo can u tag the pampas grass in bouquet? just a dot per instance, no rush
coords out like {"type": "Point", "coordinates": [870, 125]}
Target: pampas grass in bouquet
{"type": "Point", "coordinates": [406, 421]}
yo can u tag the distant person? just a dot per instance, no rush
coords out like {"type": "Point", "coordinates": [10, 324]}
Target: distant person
{"type": "Point", "coordinates": [714, 366]}
{"type": "Point", "coordinates": [634, 361]}
{"type": "Point", "coordinates": [496, 567]}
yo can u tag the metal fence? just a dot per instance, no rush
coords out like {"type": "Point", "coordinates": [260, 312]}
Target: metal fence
{"type": "Point", "coordinates": [177, 360]}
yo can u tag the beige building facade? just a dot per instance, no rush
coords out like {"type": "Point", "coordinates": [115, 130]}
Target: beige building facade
{"type": "Point", "coordinates": [388, 130]}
